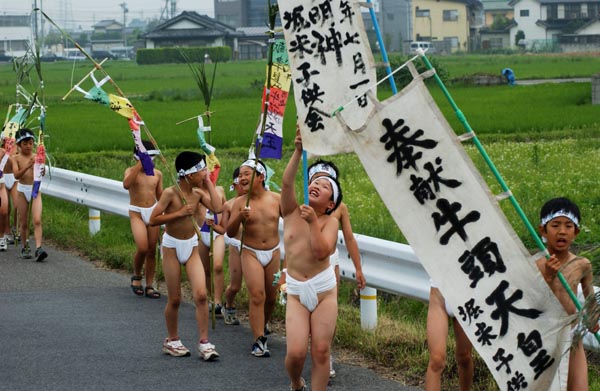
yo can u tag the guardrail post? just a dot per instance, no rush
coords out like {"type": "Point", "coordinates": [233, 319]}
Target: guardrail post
{"type": "Point", "coordinates": [94, 224]}
{"type": "Point", "coordinates": [368, 308]}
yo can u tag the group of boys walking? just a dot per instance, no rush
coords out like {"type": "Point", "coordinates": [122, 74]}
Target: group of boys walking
{"type": "Point", "coordinates": [249, 225]}
{"type": "Point", "coordinates": [16, 188]}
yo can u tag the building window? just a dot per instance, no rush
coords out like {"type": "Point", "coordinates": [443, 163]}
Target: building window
{"type": "Point", "coordinates": [450, 15]}
{"type": "Point", "coordinates": [453, 41]}
{"type": "Point", "coordinates": [572, 11]}
{"type": "Point", "coordinates": [593, 10]}
{"type": "Point", "coordinates": [524, 13]}
{"type": "Point", "coordinates": [422, 13]}
{"type": "Point", "coordinates": [496, 43]}
{"type": "Point", "coordinates": [552, 11]}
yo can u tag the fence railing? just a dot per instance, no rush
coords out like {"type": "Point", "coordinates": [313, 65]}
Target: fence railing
{"type": "Point", "coordinates": [387, 266]}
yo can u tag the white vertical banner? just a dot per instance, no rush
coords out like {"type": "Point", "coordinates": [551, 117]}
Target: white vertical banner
{"type": "Point", "coordinates": [455, 226]}
{"type": "Point", "coordinates": [332, 64]}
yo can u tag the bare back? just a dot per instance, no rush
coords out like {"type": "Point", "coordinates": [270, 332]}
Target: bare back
{"type": "Point", "coordinates": [144, 190]}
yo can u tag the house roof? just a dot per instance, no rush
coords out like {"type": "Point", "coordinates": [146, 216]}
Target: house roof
{"type": "Point", "coordinates": [506, 29]}
{"type": "Point", "coordinates": [207, 27]}
{"type": "Point", "coordinates": [562, 24]}
{"type": "Point", "coordinates": [137, 23]}
{"type": "Point", "coordinates": [495, 5]}
{"type": "Point", "coordinates": [587, 24]}
{"type": "Point", "coordinates": [106, 23]}
{"type": "Point", "coordinates": [257, 32]}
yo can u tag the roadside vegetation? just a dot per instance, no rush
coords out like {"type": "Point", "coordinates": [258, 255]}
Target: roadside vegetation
{"type": "Point", "coordinates": [544, 140]}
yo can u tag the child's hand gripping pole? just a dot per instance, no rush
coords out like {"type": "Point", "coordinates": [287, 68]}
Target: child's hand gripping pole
{"type": "Point", "coordinates": [305, 175]}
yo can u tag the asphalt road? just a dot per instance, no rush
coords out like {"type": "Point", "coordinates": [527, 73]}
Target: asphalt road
{"type": "Point", "coordinates": [66, 324]}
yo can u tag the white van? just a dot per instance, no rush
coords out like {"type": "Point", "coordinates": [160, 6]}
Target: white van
{"type": "Point", "coordinates": [427, 46]}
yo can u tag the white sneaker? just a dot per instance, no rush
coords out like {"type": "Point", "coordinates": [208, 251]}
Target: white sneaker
{"type": "Point", "coordinates": [331, 370]}
{"type": "Point", "coordinates": [175, 348]}
{"type": "Point", "coordinates": [3, 244]}
{"type": "Point", "coordinates": [207, 351]}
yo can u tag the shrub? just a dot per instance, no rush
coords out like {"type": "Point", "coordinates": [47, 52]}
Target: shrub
{"type": "Point", "coordinates": [173, 55]}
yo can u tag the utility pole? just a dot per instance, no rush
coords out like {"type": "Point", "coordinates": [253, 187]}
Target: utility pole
{"type": "Point", "coordinates": [173, 8]}
{"type": "Point", "coordinates": [34, 20]}
{"type": "Point", "coordinates": [125, 11]}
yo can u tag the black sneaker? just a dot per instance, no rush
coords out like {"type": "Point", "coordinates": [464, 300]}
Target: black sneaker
{"type": "Point", "coordinates": [40, 254]}
{"type": "Point", "coordinates": [26, 253]}
{"type": "Point", "coordinates": [259, 349]}
{"type": "Point", "coordinates": [219, 311]}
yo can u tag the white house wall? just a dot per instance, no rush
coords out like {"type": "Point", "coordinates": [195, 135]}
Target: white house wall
{"type": "Point", "coordinates": [528, 24]}
{"type": "Point", "coordinates": [592, 29]}
{"type": "Point", "coordinates": [12, 39]}
{"type": "Point", "coordinates": [183, 25]}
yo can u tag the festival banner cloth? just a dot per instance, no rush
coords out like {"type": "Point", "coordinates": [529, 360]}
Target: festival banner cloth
{"type": "Point", "coordinates": [122, 106]}
{"type": "Point", "coordinates": [436, 196]}
{"type": "Point", "coordinates": [272, 139]}
{"type": "Point", "coordinates": [331, 64]}
{"type": "Point", "coordinates": [454, 224]}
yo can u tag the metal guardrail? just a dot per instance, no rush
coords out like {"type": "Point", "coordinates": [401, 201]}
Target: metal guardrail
{"type": "Point", "coordinates": [388, 266]}
{"type": "Point", "coordinates": [94, 192]}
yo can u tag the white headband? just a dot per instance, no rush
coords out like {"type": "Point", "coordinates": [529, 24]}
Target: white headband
{"type": "Point", "coordinates": [150, 152]}
{"type": "Point", "coordinates": [236, 181]}
{"type": "Point", "coordinates": [153, 152]}
{"type": "Point", "coordinates": [24, 137]}
{"type": "Point", "coordinates": [198, 167]}
{"type": "Point", "coordinates": [252, 164]}
{"type": "Point", "coordinates": [559, 213]}
{"type": "Point", "coordinates": [334, 187]}
{"type": "Point", "coordinates": [322, 168]}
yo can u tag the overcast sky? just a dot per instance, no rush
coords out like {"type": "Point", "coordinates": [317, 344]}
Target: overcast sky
{"type": "Point", "coordinates": [88, 12]}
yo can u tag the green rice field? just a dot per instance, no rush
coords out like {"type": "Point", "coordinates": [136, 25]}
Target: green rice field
{"type": "Point", "coordinates": [544, 140]}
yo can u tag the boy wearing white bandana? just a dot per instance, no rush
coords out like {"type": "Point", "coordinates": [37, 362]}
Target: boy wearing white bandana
{"type": "Point", "coordinates": [23, 171]}
{"type": "Point", "coordinates": [559, 226]}
{"type": "Point", "coordinates": [260, 248]}
{"type": "Point", "coordinates": [144, 192]}
{"type": "Point", "coordinates": [324, 168]}
{"type": "Point", "coordinates": [180, 247]}
{"type": "Point", "coordinates": [310, 236]}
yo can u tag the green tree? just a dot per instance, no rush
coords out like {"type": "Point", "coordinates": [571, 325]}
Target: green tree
{"type": "Point", "coordinates": [52, 38]}
{"type": "Point", "coordinates": [83, 39]}
{"type": "Point", "coordinates": [500, 22]}
{"type": "Point", "coordinates": [519, 36]}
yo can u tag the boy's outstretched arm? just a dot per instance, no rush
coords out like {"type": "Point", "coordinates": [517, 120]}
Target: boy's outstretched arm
{"type": "Point", "coordinates": [159, 218]}
{"type": "Point", "coordinates": [323, 238]}
{"type": "Point", "coordinates": [288, 191]}
{"type": "Point", "coordinates": [130, 175]}
{"type": "Point", "coordinates": [214, 203]}
{"type": "Point", "coordinates": [352, 246]}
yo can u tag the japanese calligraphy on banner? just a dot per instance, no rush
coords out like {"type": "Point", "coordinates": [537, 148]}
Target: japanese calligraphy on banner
{"type": "Point", "coordinates": [332, 64]}
{"type": "Point", "coordinates": [455, 226]}
{"type": "Point", "coordinates": [272, 142]}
